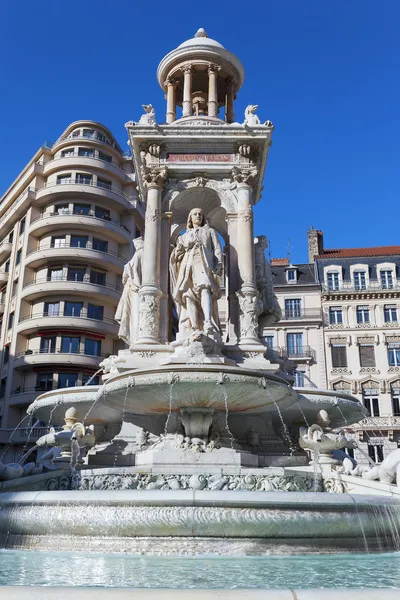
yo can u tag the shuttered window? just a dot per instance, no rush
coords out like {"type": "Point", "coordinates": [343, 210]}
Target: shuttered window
{"type": "Point", "coordinates": [367, 355]}
{"type": "Point", "coordinates": [339, 356]}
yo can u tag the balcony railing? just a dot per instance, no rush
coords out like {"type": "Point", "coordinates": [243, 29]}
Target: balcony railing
{"type": "Point", "coordinates": [304, 313]}
{"type": "Point", "coordinates": [87, 246]}
{"type": "Point", "coordinates": [58, 351]}
{"type": "Point", "coordinates": [85, 281]}
{"type": "Point", "coordinates": [41, 389]}
{"type": "Point", "coordinates": [62, 314]}
{"type": "Point", "coordinates": [303, 352]}
{"type": "Point", "coordinates": [94, 137]}
{"type": "Point", "coordinates": [88, 183]}
{"type": "Point", "coordinates": [22, 434]}
{"type": "Point", "coordinates": [77, 155]}
{"type": "Point", "coordinates": [370, 286]}
{"type": "Point", "coordinates": [90, 214]}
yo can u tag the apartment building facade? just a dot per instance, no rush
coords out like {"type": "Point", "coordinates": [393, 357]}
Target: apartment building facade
{"type": "Point", "coordinates": [66, 229]}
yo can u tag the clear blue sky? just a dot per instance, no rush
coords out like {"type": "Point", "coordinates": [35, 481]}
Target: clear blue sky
{"type": "Point", "coordinates": [325, 72]}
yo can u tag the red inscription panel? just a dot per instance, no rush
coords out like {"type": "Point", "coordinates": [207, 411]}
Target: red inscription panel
{"type": "Point", "coordinates": [200, 158]}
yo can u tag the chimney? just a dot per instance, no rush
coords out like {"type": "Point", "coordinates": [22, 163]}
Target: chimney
{"type": "Point", "coordinates": [278, 262]}
{"type": "Point", "coordinates": [315, 243]}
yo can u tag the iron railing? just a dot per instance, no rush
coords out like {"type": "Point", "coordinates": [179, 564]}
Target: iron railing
{"type": "Point", "coordinates": [88, 246]}
{"type": "Point", "coordinates": [370, 285]}
{"type": "Point", "coordinates": [59, 351]}
{"type": "Point", "coordinates": [111, 286]}
{"type": "Point", "coordinates": [90, 214]}
{"type": "Point", "coordinates": [303, 313]}
{"type": "Point", "coordinates": [62, 314]}
{"type": "Point", "coordinates": [299, 353]}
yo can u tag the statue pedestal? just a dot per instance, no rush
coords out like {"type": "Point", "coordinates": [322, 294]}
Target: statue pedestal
{"type": "Point", "coordinates": [170, 459]}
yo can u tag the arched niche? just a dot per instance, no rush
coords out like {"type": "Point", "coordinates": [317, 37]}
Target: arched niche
{"type": "Point", "coordinates": [198, 197]}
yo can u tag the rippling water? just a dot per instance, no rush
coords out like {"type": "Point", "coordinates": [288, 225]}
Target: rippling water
{"type": "Point", "coordinates": [18, 567]}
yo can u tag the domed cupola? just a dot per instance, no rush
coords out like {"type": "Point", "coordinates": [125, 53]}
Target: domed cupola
{"type": "Point", "coordinates": [201, 76]}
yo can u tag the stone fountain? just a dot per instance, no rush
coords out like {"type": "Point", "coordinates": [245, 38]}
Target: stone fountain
{"type": "Point", "coordinates": [196, 432]}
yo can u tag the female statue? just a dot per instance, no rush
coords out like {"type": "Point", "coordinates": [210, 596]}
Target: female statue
{"type": "Point", "coordinates": [195, 265]}
{"type": "Point", "coordinates": [127, 310]}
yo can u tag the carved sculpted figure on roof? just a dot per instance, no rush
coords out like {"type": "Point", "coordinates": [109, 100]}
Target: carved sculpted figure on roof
{"type": "Point", "coordinates": [149, 117]}
{"type": "Point", "coordinates": [195, 265]}
{"type": "Point", "coordinates": [250, 118]}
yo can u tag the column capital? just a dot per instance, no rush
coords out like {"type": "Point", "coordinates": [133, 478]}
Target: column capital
{"type": "Point", "coordinates": [188, 69]}
{"type": "Point", "coordinates": [154, 178]}
{"type": "Point", "coordinates": [244, 177]}
{"type": "Point", "coordinates": [213, 68]}
{"type": "Point", "coordinates": [171, 81]}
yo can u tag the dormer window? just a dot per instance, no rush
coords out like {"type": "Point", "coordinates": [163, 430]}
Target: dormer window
{"type": "Point", "coordinates": [360, 280]}
{"type": "Point", "coordinates": [387, 280]}
{"type": "Point", "coordinates": [333, 281]}
{"type": "Point", "coordinates": [291, 275]}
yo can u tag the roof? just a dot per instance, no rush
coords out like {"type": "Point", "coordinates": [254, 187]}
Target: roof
{"type": "Point", "coordinates": [201, 39]}
{"type": "Point", "coordinates": [359, 252]}
{"type": "Point", "coordinates": [305, 275]}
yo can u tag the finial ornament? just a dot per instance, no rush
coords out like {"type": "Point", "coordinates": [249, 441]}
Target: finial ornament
{"type": "Point", "coordinates": [200, 33]}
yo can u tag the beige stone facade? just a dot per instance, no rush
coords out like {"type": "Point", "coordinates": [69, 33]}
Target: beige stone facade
{"type": "Point", "coordinates": [66, 228]}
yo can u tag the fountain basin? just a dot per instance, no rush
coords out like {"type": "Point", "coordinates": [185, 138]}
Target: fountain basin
{"type": "Point", "coordinates": [131, 519]}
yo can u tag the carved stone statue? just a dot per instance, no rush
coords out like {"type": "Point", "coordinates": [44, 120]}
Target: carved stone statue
{"type": "Point", "coordinates": [387, 471]}
{"type": "Point", "coordinates": [127, 310]}
{"type": "Point", "coordinates": [271, 311]}
{"type": "Point", "coordinates": [250, 118]}
{"type": "Point", "coordinates": [149, 117]}
{"type": "Point", "coordinates": [195, 264]}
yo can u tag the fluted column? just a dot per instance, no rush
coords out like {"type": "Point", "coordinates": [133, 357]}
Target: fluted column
{"type": "Point", "coordinates": [165, 247]}
{"type": "Point", "coordinates": [150, 292]}
{"type": "Point", "coordinates": [187, 91]}
{"type": "Point", "coordinates": [233, 279]}
{"type": "Point", "coordinates": [248, 296]}
{"type": "Point", "coordinates": [230, 98]}
{"type": "Point", "coordinates": [171, 100]}
{"type": "Point", "coordinates": [212, 90]}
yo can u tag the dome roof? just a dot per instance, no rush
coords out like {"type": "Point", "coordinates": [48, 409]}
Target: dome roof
{"type": "Point", "coordinates": [201, 39]}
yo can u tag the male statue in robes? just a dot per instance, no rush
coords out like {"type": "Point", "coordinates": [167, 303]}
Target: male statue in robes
{"type": "Point", "coordinates": [196, 264]}
{"type": "Point", "coordinates": [127, 311]}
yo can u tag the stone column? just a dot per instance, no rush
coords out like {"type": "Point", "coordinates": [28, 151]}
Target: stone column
{"type": "Point", "coordinates": [233, 279]}
{"type": "Point", "coordinates": [165, 247]}
{"type": "Point", "coordinates": [171, 100]}
{"type": "Point", "coordinates": [230, 98]}
{"type": "Point", "coordinates": [213, 90]}
{"type": "Point", "coordinates": [248, 296]}
{"type": "Point", "coordinates": [150, 292]}
{"type": "Point", "coordinates": [187, 91]}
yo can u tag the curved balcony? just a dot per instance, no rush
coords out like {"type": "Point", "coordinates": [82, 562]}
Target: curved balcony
{"type": "Point", "coordinates": [41, 256]}
{"type": "Point", "coordinates": [31, 358]}
{"type": "Point", "coordinates": [32, 323]}
{"type": "Point", "coordinates": [88, 139]}
{"type": "Point", "coordinates": [50, 222]}
{"type": "Point", "coordinates": [3, 276]}
{"type": "Point", "coordinates": [5, 250]}
{"type": "Point", "coordinates": [22, 396]}
{"type": "Point", "coordinates": [88, 162]}
{"type": "Point", "coordinates": [36, 288]}
{"type": "Point", "coordinates": [74, 189]}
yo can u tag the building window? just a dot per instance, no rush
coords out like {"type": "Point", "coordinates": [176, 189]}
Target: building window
{"type": "Point", "coordinates": [299, 379]}
{"type": "Point", "coordinates": [362, 314]}
{"type": "Point", "coordinates": [376, 452]}
{"type": "Point", "coordinates": [11, 237]}
{"type": "Point", "coordinates": [3, 388]}
{"type": "Point", "coordinates": [76, 133]}
{"type": "Point", "coordinates": [394, 355]}
{"type": "Point", "coordinates": [96, 312]}
{"type": "Point", "coordinates": [396, 403]}
{"type": "Point", "coordinates": [10, 320]}
{"type": "Point", "coordinates": [81, 209]}
{"type": "Point", "coordinates": [7, 267]}
{"type": "Point", "coordinates": [22, 226]}
{"type": "Point", "coordinates": [70, 344]}
{"type": "Point", "coordinates": [68, 153]}
{"type": "Point", "coordinates": [44, 382]}
{"type": "Point", "coordinates": [104, 183]}
{"type": "Point", "coordinates": [102, 213]}
{"type": "Point", "coordinates": [390, 313]}
{"type": "Point", "coordinates": [294, 343]}
{"type": "Point", "coordinates": [83, 178]}
{"type": "Point", "coordinates": [335, 315]}
{"type": "Point", "coordinates": [269, 341]}
{"type": "Point", "coordinates": [55, 274]}
{"type": "Point", "coordinates": [105, 157]}
{"type": "Point", "coordinates": [339, 356]}
{"type": "Point", "coordinates": [76, 274]}
{"type": "Point", "coordinates": [58, 241]}
{"type": "Point", "coordinates": [88, 133]}
{"type": "Point", "coordinates": [367, 355]}
{"type": "Point", "coordinates": [79, 241]}
{"type": "Point", "coordinates": [61, 209]}
{"type": "Point", "coordinates": [51, 309]}
{"type": "Point", "coordinates": [101, 137]}
{"type": "Point", "coordinates": [48, 344]}
{"type": "Point", "coordinates": [67, 380]}
{"type": "Point", "coordinates": [92, 347]}
{"type": "Point", "coordinates": [64, 179]}
{"type": "Point", "coordinates": [73, 309]}
{"type": "Point", "coordinates": [333, 281]}
{"type": "Point", "coordinates": [387, 280]}
{"type": "Point", "coordinates": [97, 277]}
{"type": "Point", "coordinates": [100, 245]}
{"type": "Point", "coordinates": [291, 275]}
{"type": "Point", "coordinates": [6, 355]}
{"type": "Point", "coordinates": [86, 152]}
{"type": "Point", "coordinates": [18, 257]}
{"type": "Point", "coordinates": [292, 308]}
{"type": "Point", "coordinates": [360, 280]}
{"type": "Point", "coordinates": [86, 377]}
{"type": "Point", "coordinates": [371, 401]}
